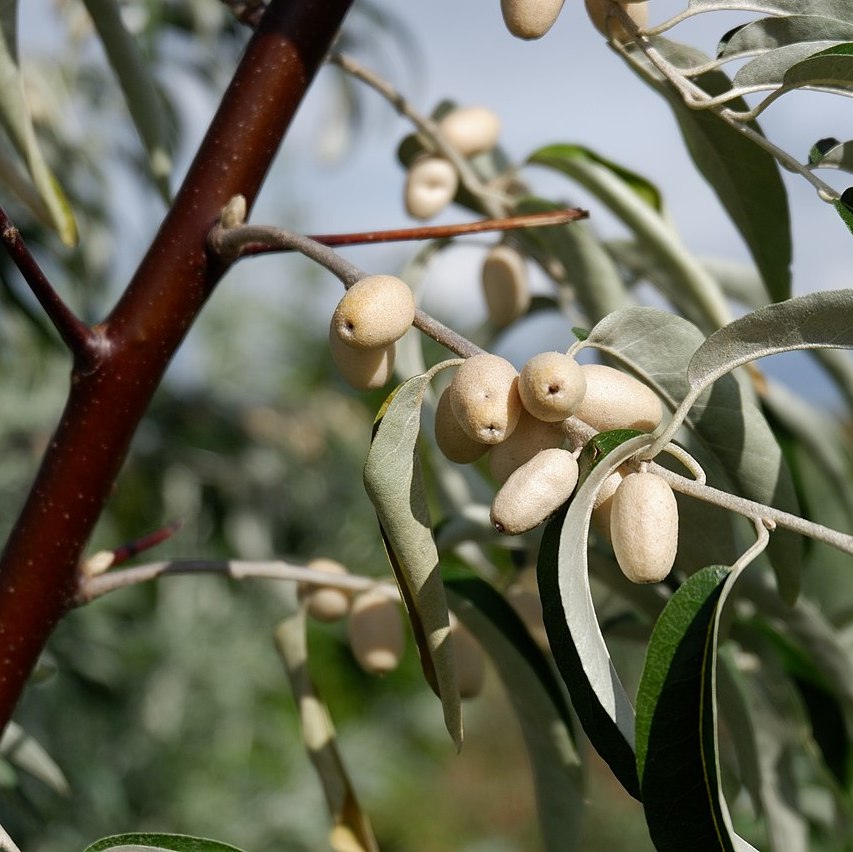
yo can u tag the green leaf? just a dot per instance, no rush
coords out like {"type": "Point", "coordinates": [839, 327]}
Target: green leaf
{"type": "Point", "coordinates": [351, 830]}
{"type": "Point", "coordinates": [654, 232]}
{"type": "Point", "coordinates": [642, 186]}
{"type": "Point", "coordinates": [677, 752]}
{"type": "Point", "coordinates": [25, 752]}
{"type": "Point", "coordinates": [597, 694]}
{"type": "Point", "coordinates": [774, 67]}
{"type": "Point", "coordinates": [15, 118]}
{"type": "Point", "coordinates": [769, 33]}
{"type": "Point", "coordinates": [745, 178]}
{"type": "Point", "coordinates": [733, 440]}
{"type": "Point", "coordinates": [823, 319]}
{"type": "Point", "coordinates": [831, 68]}
{"type": "Point", "coordinates": [844, 208]}
{"type": "Point", "coordinates": [538, 701]}
{"type": "Point", "coordinates": [394, 482]}
{"type": "Point", "coordinates": [144, 103]}
{"type": "Point", "coordinates": [158, 843]}
{"type": "Point", "coordinates": [831, 154]}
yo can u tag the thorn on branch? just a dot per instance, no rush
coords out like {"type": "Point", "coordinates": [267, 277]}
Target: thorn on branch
{"type": "Point", "coordinates": [84, 344]}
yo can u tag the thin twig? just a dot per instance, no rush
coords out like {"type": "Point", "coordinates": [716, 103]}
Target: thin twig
{"type": "Point", "coordinates": [84, 344]}
{"type": "Point", "coordinates": [495, 204]}
{"type": "Point", "coordinates": [94, 587]}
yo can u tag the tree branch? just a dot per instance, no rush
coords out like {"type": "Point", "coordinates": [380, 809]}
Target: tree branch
{"type": "Point", "coordinates": [39, 566]}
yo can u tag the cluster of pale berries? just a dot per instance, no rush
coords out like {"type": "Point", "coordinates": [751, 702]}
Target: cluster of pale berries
{"type": "Point", "coordinates": [524, 420]}
{"type": "Point", "coordinates": [375, 628]}
{"type": "Point", "coordinates": [529, 19]}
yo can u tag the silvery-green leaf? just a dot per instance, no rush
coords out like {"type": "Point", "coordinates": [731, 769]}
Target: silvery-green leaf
{"type": "Point", "coordinates": [539, 703]}
{"type": "Point", "coordinates": [773, 68]}
{"type": "Point", "coordinates": [770, 33]}
{"type": "Point", "coordinates": [25, 752]}
{"type": "Point", "coordinates": [351, 830]}
{"type": "Point", "coordinates": [146, 842]}
{"type": "Point", "coordinates": [6, 842]}
{"type": "Point", "coordinates": [145, 105]}
{"type": "Point", "coordinates": [832, 68]}
{"type": "Point", "coordinates": [394, 482]}
{"type": "Point", "coordinates": [839, 9]}
{"type": "Point", "coordinates": [658, 347]}
{"type": "Point", "coordinates": [597, 694]}
{"type": "Point", "coordinates": [15, 117]}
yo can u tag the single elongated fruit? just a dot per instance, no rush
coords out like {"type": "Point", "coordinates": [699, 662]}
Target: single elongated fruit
{"type": "Point", "coordinates": [375, 630]}
{"type": "Point", "coordinates": [374, 313]}
{"type": "Point", "coordinates": [612, 26]}
{"type": "Point", "coordinates": [484, 398]}
{"type": "Point", "coordinates": [534, 492]}
{"type": "Point", "coordinates": [528, 438]}
{"type": "Point", "coordinates": [363, 369]}
{"type": "Point", "coordinates": [431, 184]}
{"type": "Point", "coordinates": [451, 438]}
{"type": "Point", "coordinates": [505, 285]}
{"type": "Point", "coordinates": [644, 527]}
{"type": "Point", "coordinates": [530, 19]}
{"type": "Point", "coordinates": [615, 400]}
{"type": "Point", "coordinates": [471, 130]}
{"type": "Point", "coordinates": [326, 603]}
{"type": "Point", "coordinates": [469, 659]}
{"type": "Point", "coordinates": [552, 386]}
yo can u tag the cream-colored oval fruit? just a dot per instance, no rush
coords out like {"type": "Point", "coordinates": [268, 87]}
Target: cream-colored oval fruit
{"type": "Point", "coordinates": [451, 438]}
{"type": "Point", "coordinates": [530, 19]}
{"type": "Point", "coordinates": [615, 400]}
{"type": "Point", "coordinates": [505, 285]}
{"type": "Point", "coordinates": [469, 659]}
{"type": "Point", "coordinates": [375, 630]}
{"type": "Point", "coordinates": [534, 492]}
{"type": "Point", "coordinates": [374, 313]}
{"type": "Point", "coordinates": [484, 398]}
{"type": "Point", "coordinates": [363, 369]}
{"type": "Point", "coordinates": [612, 27]}
{"type": "Point", "coordinates": [552, 386]}
{"type": "Point", "coordinates": [528, 438]}
{"type": "Point", "coordinates": [644, 527]}
{"type": "Point", "coordinates": [471, 130]}
{"type": "Point", "coordinates": [325, 603]}
{"type": "Point", "coordinates": [431, 185]}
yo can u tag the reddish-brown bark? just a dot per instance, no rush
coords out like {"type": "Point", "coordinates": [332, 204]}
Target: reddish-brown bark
{"type": "Point", "coordinates": [107, 398]}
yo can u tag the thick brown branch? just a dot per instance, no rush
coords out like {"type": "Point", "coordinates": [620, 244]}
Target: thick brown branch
{"type": "Point", "coordinates": [39, 566]}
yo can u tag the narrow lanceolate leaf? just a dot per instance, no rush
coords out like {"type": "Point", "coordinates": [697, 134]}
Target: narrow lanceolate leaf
{"type": "Point", "coordinates": [597, 694]}
{"type": "Point", "coordinates": [677, 754]}
{"type": "Point", "coordinates": [25, 752]}
{"type": "Point", "coordinates": [351, 831]}
{"type": "Point", "coordinates": [394, 482]}
{"type": "Point", "coordinates": [15, 118]}
{"type": "Point", "coordinates": [537, 699]}
{"type": "Point", "coordinates": [830, 69]}
{"type": "Point", "coordinates": [731, 436]}
{"type": "Point", "coordinates": [773, 67]}
{"type": "Point", "coordinates": [158, 843]}
{"type": "Point", "coordinates": [819, 320]}
{"type": "Point", "coordinates": [770, 33]}
{"type": "Point", "coordinates": [145, 105]}
{"type": "Point", "coordinates": [839, 9]}
{"type": "Point", "coordinates": [745, 177]}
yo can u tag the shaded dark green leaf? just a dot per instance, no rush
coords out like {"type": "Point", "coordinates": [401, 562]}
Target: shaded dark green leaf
{"type": "Point", "coordinates": [538, 700]}
{"type": "Point", "coordinates": [158, 843]}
